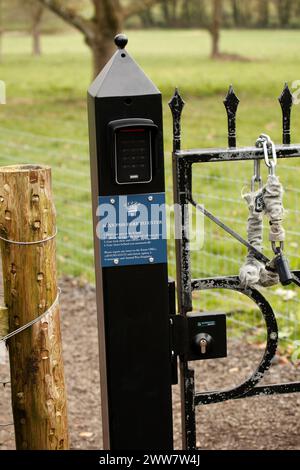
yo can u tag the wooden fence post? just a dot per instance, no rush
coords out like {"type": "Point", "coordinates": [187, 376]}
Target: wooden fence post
{"type": "Point", "coordinates": [27, 214]}
{"type": "Point", "coordinates": [4, 328]}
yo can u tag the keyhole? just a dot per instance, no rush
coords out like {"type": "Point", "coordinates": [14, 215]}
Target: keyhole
{"type": "Point", "coordinates": [203, 346]}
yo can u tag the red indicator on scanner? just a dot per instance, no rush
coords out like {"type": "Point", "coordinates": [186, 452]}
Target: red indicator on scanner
{"type": "Point", "coordinates": [132, 130]}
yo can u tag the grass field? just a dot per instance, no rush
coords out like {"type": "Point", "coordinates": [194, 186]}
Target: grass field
{"type": "Point", "coordinates": [45, 121]}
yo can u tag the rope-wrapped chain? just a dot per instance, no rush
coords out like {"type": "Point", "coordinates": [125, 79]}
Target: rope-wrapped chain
{"type": "Point", "coordinates": [267, 201]}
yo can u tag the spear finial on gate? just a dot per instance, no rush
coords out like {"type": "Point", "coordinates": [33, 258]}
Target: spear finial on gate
{"type": "Point", "coordinates": [231, 103]}
{"type": "Point", "coordinates": [176, 105]}
{"type": "Point", "coordinates": [286, 103]}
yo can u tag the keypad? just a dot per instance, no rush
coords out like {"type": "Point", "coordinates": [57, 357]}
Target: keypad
{"type": "Point", "coordinates": [133, 158]}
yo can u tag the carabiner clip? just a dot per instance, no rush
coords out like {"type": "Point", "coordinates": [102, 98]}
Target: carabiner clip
{"type": "Point", "coordinates": [270, 163]}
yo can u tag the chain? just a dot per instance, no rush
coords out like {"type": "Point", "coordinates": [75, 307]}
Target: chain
{"type": "Point", "coordinates": [264, 141]}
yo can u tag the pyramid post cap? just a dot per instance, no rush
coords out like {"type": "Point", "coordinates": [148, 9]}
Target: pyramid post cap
{"type": "Point", "coordinates": [122, 76]}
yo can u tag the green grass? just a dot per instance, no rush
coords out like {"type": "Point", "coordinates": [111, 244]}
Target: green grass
{"type": "Point", "coordinates": [45, 121]}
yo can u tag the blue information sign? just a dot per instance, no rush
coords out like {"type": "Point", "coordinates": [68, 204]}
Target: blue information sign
{"type": "Point", "coordinates": [132, 229]}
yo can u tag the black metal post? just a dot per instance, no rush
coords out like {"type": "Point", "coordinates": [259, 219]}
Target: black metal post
{"type": "Point", "coordinates": [127, 161]}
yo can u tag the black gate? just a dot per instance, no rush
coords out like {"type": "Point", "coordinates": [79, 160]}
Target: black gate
{"type": "Point", "coordinates": [183, 161]}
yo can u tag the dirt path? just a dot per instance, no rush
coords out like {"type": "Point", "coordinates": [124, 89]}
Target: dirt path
{"type": "Point", "coordinates": [255, 423]}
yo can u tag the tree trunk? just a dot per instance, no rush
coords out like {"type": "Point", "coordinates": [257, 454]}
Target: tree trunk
{"type": "Point", "coordinates": [27, 214]}
{"type": "Point", "coordinates": [108, 22]}
{"type": "Point", "coordinates": [236, 13]}
{"type": "Point", "coordinates": [166, 13]}
{"type": "Point", "coordinates": [284, 8]}
{"type": "Point", "coordinates": [200, 13]}
{"type": "Point", "coordinates": [215, 28]}
{"type": "Point", "coordinates": [263, 9]}
{"type": "Point", "coordinates": [102, 50]}
{"type": "Point", "coordinates": [37, 14]}
{"type": "Point", "coordinates": [174, 11]}
{"type": "Point", "coordinates": [247, 14]}
{"type": "Point", "coordinates": [186, 16]}
{"type": "Point", "coordinates": [36, 42]}
{"type": "Point", "coordinates": [242, 12]}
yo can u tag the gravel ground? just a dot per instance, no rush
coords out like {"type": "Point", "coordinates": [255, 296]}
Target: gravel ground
{"type": "Point", "coordinates": [254, 423]}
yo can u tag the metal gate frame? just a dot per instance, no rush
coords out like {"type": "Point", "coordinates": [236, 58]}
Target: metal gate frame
{"type": "Point", "coordinates": [183, 161]}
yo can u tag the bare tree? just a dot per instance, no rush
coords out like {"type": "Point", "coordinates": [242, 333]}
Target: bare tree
{"type": "Point", "coordinates": [36, 10]}
{"type": "Point", "coordinates": [107, 20]}
{"type": "Point", "coordinates": [215, 28]}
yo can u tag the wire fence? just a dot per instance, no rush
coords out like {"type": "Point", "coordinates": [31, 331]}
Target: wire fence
{"type": "Point", "coordinates": [218, 187]}
{"type": "Point", "coordinates": [69, 160]}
